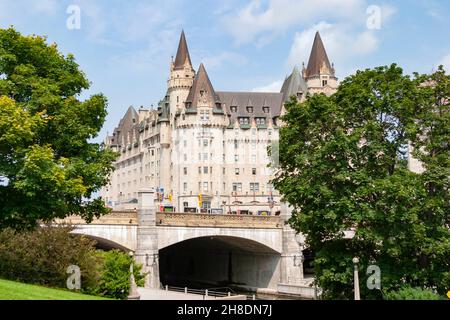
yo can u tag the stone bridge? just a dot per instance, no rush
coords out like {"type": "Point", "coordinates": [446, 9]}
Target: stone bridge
{"type": "Point", "coordinates": [251, 252]}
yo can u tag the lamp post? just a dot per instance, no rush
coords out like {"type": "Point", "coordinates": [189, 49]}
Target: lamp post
{"type": "Point", "coordinates": [134, 294]}
{"type": "Point", "coordinates": [356, 278]}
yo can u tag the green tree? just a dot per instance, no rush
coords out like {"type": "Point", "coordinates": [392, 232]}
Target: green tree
{"type": "Point", "coordinates": [344, 168]}
{"type": "Point", "coordinates": [115, 275]}
{"type": "Point", "coordinates": [48, 166]}
{"type": "Point", "coordinates": [42, 256]}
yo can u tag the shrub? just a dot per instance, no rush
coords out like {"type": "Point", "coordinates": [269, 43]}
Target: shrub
{"type": "Point", "coordinates": [115, 275]}
{"type": "Point", "coordinates": [409, 293]}
{"type": "Point", "coordinates": [43, 255]}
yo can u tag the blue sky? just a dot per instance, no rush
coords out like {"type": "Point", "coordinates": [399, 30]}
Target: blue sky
{"type": "Point", "coordinates": [125, 47]}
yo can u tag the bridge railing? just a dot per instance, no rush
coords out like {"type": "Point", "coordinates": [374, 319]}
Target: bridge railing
{"type": "Point", "coordinates": [217, 220]}
{"type": "Point", "coordinates": [183, 219]}
{"type": "Point", "coordinates": [213, 292]}
{"type": "Point", "coordinates": [115, 218]}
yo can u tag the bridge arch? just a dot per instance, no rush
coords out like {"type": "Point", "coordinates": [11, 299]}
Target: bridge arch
{"type": "Point", "coordinates": [219, 261]}
{"type": "Point", "coordinates": [105, 244]}
{"type": "Point", "coordinates": [121, 237]}
{"type": "Point", "coordinates": [270, 238]}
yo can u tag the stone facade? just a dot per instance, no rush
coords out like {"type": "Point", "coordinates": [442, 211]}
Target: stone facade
{"type": "Point", "coordinates": [206, 150]}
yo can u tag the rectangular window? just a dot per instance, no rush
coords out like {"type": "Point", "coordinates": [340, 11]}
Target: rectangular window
{"type": "Point", "coordinates": [185, 170]}
{"type": "Point", "coordinates": [236, 171]}
{"type": "Point", "coordinates": [185, 187]}
{"type": "Point", "coordinates": [324, 83]}
{"type": "Point", "coordinates": [261, 121]}
{"type": "Point", "coordinates": [236, 144]}
{"type": "Point", "coordinates": [236, 158]}
{"type": "Point", "coordinates": [185, 157]}
{"type": "Point", "coordinates": [205, 156]}
{"type": "Point", "coordinates": [254, 171]}
{"type": "Point", "coordinates": [244, 120]}
{"type": "Point", "coordinates": [266, 109]}
{"type": "Point", "coordinates": [185, 143]}
{"type": "Point", "coordinates": [237, 187]}
{"type": "Point", "coordinates": [205, 170]}
{"type": "Point", "coordinates": [205, 142]}
{"type": "Point", "coordinates": [223, 169]}
{"type": "Point", "coordinates": [205, 186]}
{"type": "Point", "coordinates": [254, 187]}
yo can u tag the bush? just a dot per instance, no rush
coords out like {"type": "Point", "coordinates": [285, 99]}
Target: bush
{"type": "Point", "coordinates": [42, 257]}
{"type": "Point", "coordinates": [409, 293]}
{"type": "Point", "coordinates": [115, 275]}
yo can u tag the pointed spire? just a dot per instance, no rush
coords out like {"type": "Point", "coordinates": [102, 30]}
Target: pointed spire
{"type": "Point", "coordinates": [202, 88]}
{"type": "Point", "coordinates": [249, 102]}
{"type": "Point", "coordinates": [182, 57]}
{"type": "Point", "coordinates": [318, 60]}
{"type": "Point", "coordinates": [294, 84]}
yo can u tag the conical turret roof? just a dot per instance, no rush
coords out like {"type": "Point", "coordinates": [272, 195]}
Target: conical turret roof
{"type": "Point", "coordinates": [183, 56]}
{"type": "Point", "coordinates": [318, 60]}
{"type": "Point", "coordinates": [293, 84]}
{"type": "Point", "coordinates": [202, 88]}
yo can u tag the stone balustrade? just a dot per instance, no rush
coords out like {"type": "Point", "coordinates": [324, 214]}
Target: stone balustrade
{"type": "Point", "coordinates": [183, 220]}
{"type": "Point", "coordinates": [218, 220]}
{"type": "Point", "coordinates": [114, 218]}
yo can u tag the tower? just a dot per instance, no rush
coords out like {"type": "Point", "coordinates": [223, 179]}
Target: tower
{"type": "Point", "coordinates": [320, 74]}
{"type": "Point", "coordinates": [181, 77]}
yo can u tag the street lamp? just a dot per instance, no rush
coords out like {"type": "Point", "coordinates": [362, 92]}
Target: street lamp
{"type": "Point", "coordinates": [134, 294]}
{"type": "Point", "coordinates": [356, 278]}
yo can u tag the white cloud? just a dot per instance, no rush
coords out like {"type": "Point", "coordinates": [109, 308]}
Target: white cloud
{"type": "Point", "coordinates": [255, 21]}
{"type": "Point", "coordinates": [387, 12]}
{"type": "Point", "coordinates": [272, 87]}
{"type": "Point", "coordinates": [446, 63]}
{"type": "Point", "coordinates": [217, 61]}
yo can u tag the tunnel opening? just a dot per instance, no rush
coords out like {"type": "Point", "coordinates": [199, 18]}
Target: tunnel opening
{"type": "Point", "coordinates": [219, 262]}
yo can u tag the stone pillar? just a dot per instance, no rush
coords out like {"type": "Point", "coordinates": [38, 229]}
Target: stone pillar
{"type": "Point", "coordinates": [291, 256]}
{"type": "Point", "coordinates": [147, 238]}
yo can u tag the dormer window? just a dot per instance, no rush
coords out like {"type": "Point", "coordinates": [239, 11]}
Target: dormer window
{"type": "Point", "coordinates": [266, 109]}
{"type": "Point", "coordinates": [260, 121]}
{"type": "Point", "coordinates": [188, 105]}
{"type": "Point", "coordinates": [250, 109]}
{"type": "Point", "coordinates": [233, 108]}
{"type": "Point", "coordinates": [244, 120]}
{"type": "Point", "coordinates": [218, 105]}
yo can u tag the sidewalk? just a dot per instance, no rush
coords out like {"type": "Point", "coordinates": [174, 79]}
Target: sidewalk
{"type": "Point", "coordinates": [158, 294]}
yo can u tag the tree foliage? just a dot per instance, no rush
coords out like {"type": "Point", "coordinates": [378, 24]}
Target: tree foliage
{"type": "Point", "coordinates": [115, 275]}
{"type": "Point", "coordinates": [344, 168]}
{"type": "Point", "coordinates": [48, 166]}
{"type": "Point", "coordinates": [42, 256]}
{"type": "Point", "coordinates": [408, 293]}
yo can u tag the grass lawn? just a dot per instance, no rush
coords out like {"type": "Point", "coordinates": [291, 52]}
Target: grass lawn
{"type": "Point", "coordinates": [10, 290]}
